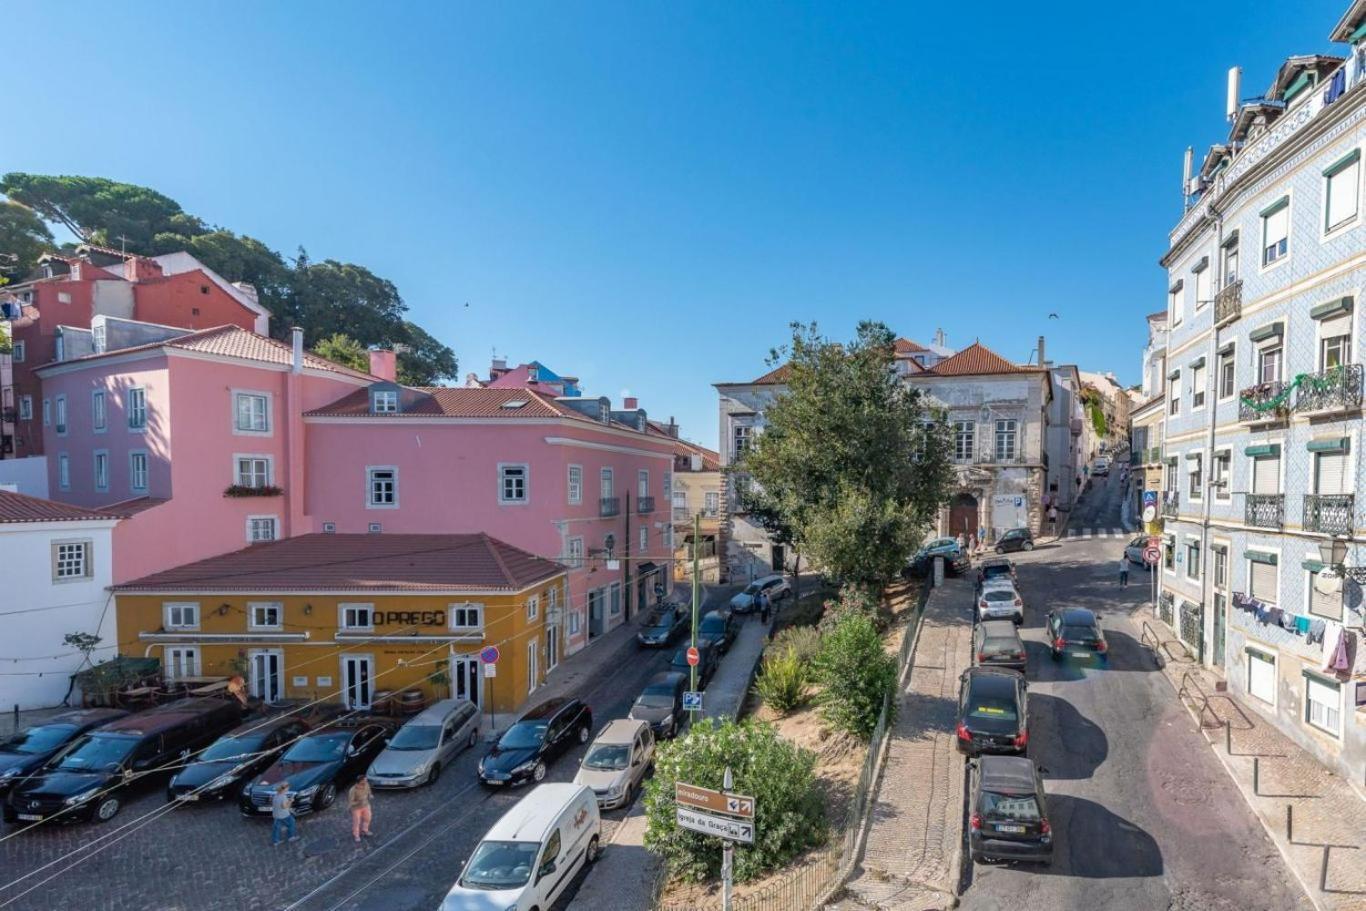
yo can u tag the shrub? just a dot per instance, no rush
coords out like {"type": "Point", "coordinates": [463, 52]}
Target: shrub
{"type": "Point", "coordinates": [784, 680]}
{"type": "Point", "coordinates": [857, 674]}
{"type": "Point", "coordinates": [804, 640]}
{"type": "Point", "coordinates": [789, 817]}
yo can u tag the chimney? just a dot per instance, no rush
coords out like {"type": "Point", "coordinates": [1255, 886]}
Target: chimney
{"type": "Point", "coordinates": [673, 427]}
{"type": "Point", "coordinates": [940, 339]}
{"type": "Point", "coordinates": [248, 289]}
{"type": "Point", "coordinates": [1042, 362]}
{"type": "Point", "coordinates": [499, 365]}
{"type": "Point", "coordinates": [384, 364]}
{"type": "Point", "coordinates": [630, 403]}
{"type": "Point", "coordinates": [296, 337]}
{"type": "Point", "coordinates": [605, 409]}
{"type": "Point", "coordinates": [141, 269]}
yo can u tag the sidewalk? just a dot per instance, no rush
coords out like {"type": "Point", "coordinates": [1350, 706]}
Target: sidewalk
{"type": "Point", "coordinates": [913, 852]}
{"type": "Point", "coordinates": [1292, 789]}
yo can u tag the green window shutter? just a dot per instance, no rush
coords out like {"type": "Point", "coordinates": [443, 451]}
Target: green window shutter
{"type": "Point", "coordinates": [1312, 565]}
{"type": "Point", "coordinates": [1331, 308]}
{"type": "Point", "coordinates": [1197, 363]}
{"type": "Point", "coordinates": [1259, 557]}
{"type": "Point", "coordinates": [1360, 32]}
{"type": "Point", "coordinates": [1334, 444]}
{"type": "Point", "coordinates": [1302, 82]}
{"type": "Point", "coordinates": [1275, 207]}
{"type": "Point", "coordinates": [1201, 265]}
{"type": "Point", "coordinates": [1266, 332]}
{"type": "Point", "coordinates": [1350, 158]}
{"type": "Point", "coordinates": [1263, 449]}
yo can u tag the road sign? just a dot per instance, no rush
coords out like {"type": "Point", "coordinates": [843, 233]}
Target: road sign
{"type": "Point", "coordinates": [1150, 498]}
{"type": "Point", "coordinates": [692, 702]}
{"type": "Point", "coordinates": [490, 670]}
{"type": "Point", "coordinates": [1151, 555]}
{"type": "Point", "coordinates": [489, 654]}
{"type": "Point", "coordinates": [693, 656]}
{"type": "Point", "coordinates": [1149, 513]}
{"type": "Point", "coordinates": [690, 795]}
{"type": "Point", "coordinates": [720, 826]}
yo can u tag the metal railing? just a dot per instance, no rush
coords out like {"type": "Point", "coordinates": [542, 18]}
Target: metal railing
{"type": "Point", "coordinates": [1166, 608]}
{"type": "Point", "coordinates": [1335, 389]}
{"type": "Point", "coordinates": [1228, 303]}
{"type": "Point", "coordinates": [1171, 503]}
{"type": "Point", "coordinates": [1263, 402]}
{"type": "Point", "coordinates": [1332, 514]}
{"type": "Point", "coordinates": [1265, 510]}
{"type": "Point", "coordinates": [609, 506]}
{"type": "Point", "coordinates": [645, 504]}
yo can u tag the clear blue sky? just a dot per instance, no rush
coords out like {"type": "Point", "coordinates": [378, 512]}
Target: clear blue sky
{"type": "Point", "coordinates": [646, 194]}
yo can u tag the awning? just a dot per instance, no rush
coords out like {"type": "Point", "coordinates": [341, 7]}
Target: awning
{"type": "Point", "coordinates": [1197, 363]}
{"type": "Point", "coordinates": [645, 569]}
{"type": "Point", "coordinates": [1332, 308]}
{"type": "Point", "coordinates": [1263, 449]}
{"type": "Point", "coordinates": [1266, 332]}
{"type": "Point", "coordinates": [1328, 444]}
{"type": "Point", "coordinates": [1312, 565]}
{"type": "Point", "coordinates": [1259, 557]}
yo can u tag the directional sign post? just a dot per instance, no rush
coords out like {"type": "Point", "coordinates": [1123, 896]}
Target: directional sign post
{"type": "Point", "coordinates": [726, 815]}
{"type": "Point", "coordinates": [692, 702]}
{"type": "Point", "coordinates": [720, 826]}
{"type": "Point", "coordinates": [688, 795]}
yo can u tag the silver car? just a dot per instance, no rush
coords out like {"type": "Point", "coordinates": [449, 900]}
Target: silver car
{"type": "Point", "coordinates": [617, 761]}
{"type": "Point", "coordinates": [426, 743]}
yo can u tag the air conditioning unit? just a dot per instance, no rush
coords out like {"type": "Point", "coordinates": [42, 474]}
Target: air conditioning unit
{"type": "Point", "coordinates": [376, 528]}
{"type": "Point", "coordinates": [329, 528]}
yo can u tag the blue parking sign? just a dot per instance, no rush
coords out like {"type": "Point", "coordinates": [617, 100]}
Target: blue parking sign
{"type": "Point", "coordinates": [692, 702]}
{"type": "Point", "coordinates": [1149, 498]}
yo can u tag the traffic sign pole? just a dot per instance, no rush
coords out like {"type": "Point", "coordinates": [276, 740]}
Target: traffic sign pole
{"type": "Point", "coordinates": [696, 592]}
{"type": "Point", "coordinates": [727, 855]}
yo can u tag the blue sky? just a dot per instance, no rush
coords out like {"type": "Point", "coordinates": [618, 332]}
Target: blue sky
{"type": "Point", "coordinates": [646, 194]}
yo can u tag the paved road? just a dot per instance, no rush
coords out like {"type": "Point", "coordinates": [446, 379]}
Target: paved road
{"type": "Point", "coordinates": [1099, 509]}
{"type": "Point", "coordinates": [1145, 816]}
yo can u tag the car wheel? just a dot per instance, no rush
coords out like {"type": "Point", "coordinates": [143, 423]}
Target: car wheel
{"type": "Point", "coordinates": [474, 737]}
{"type": "Point", "coordinates": [1028, 545]}
{"type": "Point", "coordinates": [1000, 549]}
{"type": "Point", "coordinates": [583, 734]}
{"type": "Point", "coordinates": [107, 809]}
{"type": "Point", "coordinates": [434, 774]}
{"type": "Point", "coordinates": [538, 773]}
{"type": "Point", "coordinates": [326, 796]}
{"type": "Point", "coordinates": [593, 850]}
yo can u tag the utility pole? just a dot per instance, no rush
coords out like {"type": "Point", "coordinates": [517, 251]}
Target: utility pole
{"type": "Point", "coordinates": [696, 594]}
{"type": "Point", "coordinates": [727, 854]}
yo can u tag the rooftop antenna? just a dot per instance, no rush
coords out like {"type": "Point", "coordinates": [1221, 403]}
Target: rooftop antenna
{"type": "Point", "coordinates": [1235, 88]}
{"type": "Point", "coordinates": [123, 245]}
{"type": "Point", "coordinates": [1187, 166]}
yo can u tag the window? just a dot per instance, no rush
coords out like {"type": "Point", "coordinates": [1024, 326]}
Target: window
{"type": "Point", "coordinates": [1264, 581]}
{"type": "Point", "coordinates": [251, 412]}
{"type": "Point", "coordinates": [64, 471]}
{"type": "Point", "coordinates": [61, 414]}
{"type": "Point", "coordinates": [963, 432]}
{"type": "Point", "coordinates": [1197, 387]}
{"type": "Point", "coordinates": [25, 407]}
{"type": "Point", "coordinates": [1174, 404]}
{"type": "Point", "coordinates": [1331, 473]}
{"type": "Point", "coordinates": [1269, 364]}
{"type": "Point", "coordinates": [384, 401]}
{"type": "Point", "coordinates": [533, 675]}
{"type": "Point", "coordinates": [137, 408]}
{"type": "Point", "coordinates": [1005, 439]}
{"type": "Point", "coordinates": [1261, 676]}
{"type": "Point", "coordinates": [1323, 705]}
{"type": "Point", "coordinates": [1342, 192]}
{"type": "Point", "coordinates": [1276, 231]}
{"type": "Point", "coordinates": [381, 488]}
{"type": "Point", "coordinates": [137, 471]}
{"type": "Point", "coordinates": [1169, 556]}
{"type": "Point", "coordinates": [101, 470]}
{"type": "Point", "coordinates": [18, 352]}
{"type": "Point", "coordinates": [260, 528]}
{"type": "Point", "coordinates": [533, 607]}
{"type": "Point", "coordinates": [1170, 485]}
{"type": "Point", "coordinates": [467, 615]}
{"type": "Point", "coordinates": [643, 482]}
{"type": "Point", "coordinates": [1174, 300]}
{"type": "Point", "coordinates": [265, 614]}
{"type": "Point", "coordinates": [97, 337]}
{"type": "Point", "coordinates": [1221, 475]}
{"type": "Point", "coordinates": [1231, 260]}
{"type": "Point", "coordinates": [47, 412]}
{"type": "Point", "coordinates": [1195, 475]}
{"type": "Point", "coordinates": [574, 622]}
{"type": "Point", "coordinates": [1220, 561]}
{"type": "Point", "coordinates": [180, 614]}
{"type": "Point", "coordinates": [1203, 274]}
{"type": "Point", "coordinates": [739, 439]}
{"type": "Point", "coordinates": [1227, 376]}
{"type": "Point", "coordinates": [575, 484]}
{"type": "Point", "coordinates": [711, 503]}
{"type": "Point", "coordinates": [574, 552]}
{"type": "Point", "coordinates": [1192, 559]}
{"type": "Point", "coordinates": [1266, 474]}
{"type": "Point", "coordinates": [644, 539]}
{"type": "Point", "coordinates": [1335, 341]}
{"type": "Point", "coordinates": [614, 601]}
{"type": "Point", "coordinates": [98, 417]}
{"type": "Point", "coordinates": [71, 560]}
{"type": "Point", "coordinates": [512, 483]}
{"type": "Point", "coordinates": [253, 471]}
{"type": "Point", "coordinates": [607, 486]}
{"type": "Point", "coordinates": [357, 616]}
{"type": "Point", "coordinates": [181, 661]}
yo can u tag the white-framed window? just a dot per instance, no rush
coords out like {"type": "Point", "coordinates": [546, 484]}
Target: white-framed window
{"type": "Point", "coordinates": [1192, 558]}
{"type": "Point", "coordinates": [1266, 474]}
{"type": "Point", "coordinates": [1269, 363]}
{"type": "Point", "coordinates": [1195, 476]}
{"type": "Point", "coordinates": [740, 434]}
{"type": "Point", "coordinates": [614, 600]}
{"type": "Point", "coordinates": [1261, 675]}
{"type": "Point", "coordinates": [1203, 274]}
{"type": "Point", "coordinates": [63, 471]}
{"type": "Point", "coordinates": [1323, 705]}
{"type": "Point", "coordinates": [606, 484]}
{"type": "Point", "coordinates": [574, 552]}
{"type": "Point", "coordinates": [99, 337]}
{"type": "Point", "coordinates": [251, 412]}
{"type": "Point", "coordinates": [384, 401]}
{"type": "Point", "coordinates": [1174, 301]}
{"type": "Point", "coordinates": [466, 615]}
{"type": "Point", "coordinates": [47, 412]}
{"type": "Point", "coordinates": [25, 407]}
{"type": "Point", "coordinates": [60, 405]}
{"type": "Point", "coordinates": [574, 622]}
{"type": "Point", "coordinates": [1174, 389]}
{"type": "Point", "coordinates": [356, 616]}
{"type": "Point", "coordinates": [1276, 231]}
{"type": "Point", "coordinates": [261, 528]}
{"type": "Point", "coordinates": [1332, 473]}
{"type": "Point", "coordinates": [252, 471]}
{"type": "Point", "coordinates": [381, 487]}
{"type": "Point", "coordinates": [1221, 475]}
{"type": "Point", "coordinates": [1197, 388]}
{"type": "Point", "coordinates": [964, 433]}
{"type": "Point", "coordinates": [1228, 372]}
{"type": "Point", "coordinates": [575, 484]}
{"type": "Point", "coordinates": [644, 539]}
{"type": "Point", "coordinates": [711, 502]}
{"type": "Point", "coordinates": [71, 560]}
{"type": "Point", "coordinates": [180, 614]}
{"type": "Point", "coordinates": [137, 471]}
{"type": "Point", "coordinates": [1264, 581]}
{"type": "Point", "coordinates": [533, 607]}
{"type": "Point", "coordinates": [99, 418]}
{"type": "Point", "coordinates": [642, 482]}
{"type": "Point", "coordinates": [512, 483]}
{"type": "Point", "coordinates": [533, 670]}
{"type": "Point", "coordinates": [1230, 253]}
{"type": "Point", "coordinates": [1219, 562]}
{"type": "Point", "coordinates": [181, 661]}
{"type": "Point", "coordinates": [137, 408]}
{"type": "Point", "coordinates": [265, 614]}
{"type": "Point", "coordinates": [18, 352]}
{"type": "Point", "coordinates": [101, 470]}
{"type": "Point", "coordinates": [1007, 432]}
{"type": "Point", "coordinates": [1342, 192]}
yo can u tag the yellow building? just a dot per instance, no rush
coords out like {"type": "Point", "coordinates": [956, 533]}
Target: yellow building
{"type": "Point", "coordinates": [696, 490]}
{"type": "Point", "coordinates": [1146, 436]}
{"type": "Point", "coordinates": [350, 618]}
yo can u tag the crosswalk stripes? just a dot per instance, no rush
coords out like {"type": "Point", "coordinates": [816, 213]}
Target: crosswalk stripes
{"type": "Point", "coordinates": [1085, 533]}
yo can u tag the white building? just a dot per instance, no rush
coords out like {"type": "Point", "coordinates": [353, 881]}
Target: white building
{"type": "Point", "coordinates": [57, 568]}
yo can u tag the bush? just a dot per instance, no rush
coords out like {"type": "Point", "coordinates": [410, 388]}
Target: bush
{"type": "Point", "coordinates": [857, 674]}
{"type": "Point", "coordinates": [784, 680]}
{"type": "Point", "coordinates": [789, 816]}
{"type": "Point", "coordinates": [804, 640]}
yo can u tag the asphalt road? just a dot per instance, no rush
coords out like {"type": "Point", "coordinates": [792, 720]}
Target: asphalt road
{"type": "Point", "coordinates": [1100, 507]}
{"type": "Point", "coordinates": [1145, 816]}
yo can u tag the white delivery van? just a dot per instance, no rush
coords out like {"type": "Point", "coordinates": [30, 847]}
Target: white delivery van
{"type": "Point", "coordinates": [532, 854]}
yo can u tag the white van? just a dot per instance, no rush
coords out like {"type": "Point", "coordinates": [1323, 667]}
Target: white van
{"type": "Point", "coordinates": [532, 854]}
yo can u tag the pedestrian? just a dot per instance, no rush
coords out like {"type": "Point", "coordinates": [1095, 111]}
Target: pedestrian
{"type": "Point", "coordinates": [763, 608]}
{"type": "Point", "coordinates": [1123, 571]}
{"type": "Point", "coordinates": [282, 815]}
{"type": "Point", "coordinates": [358, 799]}
{"type": "Point", "coordinates": [962, 541]}
{"type": "Point", "coordinates": [1053, 520]}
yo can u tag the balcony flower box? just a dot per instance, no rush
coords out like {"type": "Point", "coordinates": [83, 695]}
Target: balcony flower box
{"type": "Point", "coordinates": [243, 490]}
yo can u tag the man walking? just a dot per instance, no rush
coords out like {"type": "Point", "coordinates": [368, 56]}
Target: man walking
{"type": "Point", "coordinates": [763, 607]}
{"type": "Point", "coordinates": [282, 815]}
{"type": "Point", "coordinates": [1123, 571]}
{"type": "Point", "coordinates": [1053, 520]}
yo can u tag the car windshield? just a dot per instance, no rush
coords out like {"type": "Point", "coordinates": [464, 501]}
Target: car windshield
{"type": "Point", "coordinates": [1021, 807]}
{"type": "Point", "coordinates": [992, 708]}
{"type": "Point", "coordinates": [651, 700]}
{"type": "Point", "coordinates": [662, 624]}
{"type": "Point", "coordinates": [1079, 632]}
{"type": "Point", "coordinates": [990, 571]}
{"type": "Point", "coordinates": [231, 748]}
{"type": "Point", "coordinates": [607, 756]}
{"type": "Point", "coordinates": [996, 646]}
{"type": "Point", "coordinates": [416, 737]}
{"type": "Point", "coordinates": [524, 735]}
{"type": "Point", "coordinates": [42, 739]}
{"type": "Point", "coordinates": [326, 748]}
{"type": "Point", "coordinates": [93, 753]}
{"type": "Point", "coordinates": [999, 594]}
{"type": "Point", "coordinates": [713, 625]}
{"type": "Point", "coordinates": [753, 588]}
{"type": "Point", "coordinates": [500, 865]}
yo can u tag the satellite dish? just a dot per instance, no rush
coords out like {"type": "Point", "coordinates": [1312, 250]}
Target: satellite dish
{"type": "Point", "coordinates": [1327, 582]}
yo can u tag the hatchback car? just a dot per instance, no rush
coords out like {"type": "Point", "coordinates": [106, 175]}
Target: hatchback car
{"type": "Point", "coordinates": [992, 711]}
{"type": "Point", "coordinates": [426, 744]}
{"type": "Point", "coordinates": [997, 643]}
{"type": "Point", "coordinates": [1009, 818]}
{"type": "Point", "coordinates": [664, 626]}
{"type": "Point", "coordinates": [237, 756]}
{"type": "Point", "coordinates": [707, 661]}
{"type": "Point", "coordinates": [1101, 467]}
{"type": "Point", "coordinates": [956, 560]}
{"type": "Point", "coordinates": [617, 761]}
{"type": "Point", "coordinates": [995, 567]}
{"type": "Point", "coordinates": [539, 737]}
{"type": "Point", "coordinates": [27, 750]}
{"type": "Point", "coordinates": [719, 628]}
{"type": "Point", "coordinates": [999, 599]}
{"type": "Point", "coordinates": [1133, 551]}
{"type": "Point", "coordinates": [1015, 539]}
{"type": "Point", "coordinates": [317, 766]}
{"type": "Point", "coordinates": [1075, 632]}
{"type": "Point", "coordinates": [661, 704]}
{"type": "Point", "coordinates": [774, 586]}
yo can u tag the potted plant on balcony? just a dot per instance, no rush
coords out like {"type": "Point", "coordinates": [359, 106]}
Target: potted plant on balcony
{"type": "Point", "coordinates": [246, 490]}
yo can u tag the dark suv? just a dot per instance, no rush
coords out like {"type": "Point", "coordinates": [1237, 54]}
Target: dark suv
{"type": "Point", "coordinates": [1076, 632]}
{"type": "Point", "coordinates": [539, 737]}
{"type": "Point", "coordinates": [236, 757]}
{"type": "Point", "coordinates": [26, 751]}
{"type": "Point", "coordinates": [1009, 818]}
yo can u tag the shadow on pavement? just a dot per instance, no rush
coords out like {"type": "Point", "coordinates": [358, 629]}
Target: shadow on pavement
{"type": "Point", "coordinates": [1093, 843]}
{"type": "Point", "coordinates": [1063, 740]}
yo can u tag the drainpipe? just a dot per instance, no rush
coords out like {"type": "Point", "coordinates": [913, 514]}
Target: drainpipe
{"type": "Point", "coordinates": [1212, 405]}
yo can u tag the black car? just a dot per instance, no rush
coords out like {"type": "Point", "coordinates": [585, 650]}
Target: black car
{"type": "Point", "coordinates": [996, 643]}
{"type": "Point", "coordinates": [538, 737]}
{"type": "Point", "coordinates": [91, 778]}
{"type": "Point", "coordinates": [1075, 632]}
{"type": "Point", "coordinates": [664, 626]}
{"type": "Point", "coordinates": [719, 627]}
{"type": "Point", "coordinates": [1009, 818]}
{"type": "Point", "coordinates": [318, 765]}
{"type": "Point", "coordinates": [992, 711]}
{"type": "Point", "coordinates": [236, 757]}
{"type": "Point", "coordinates": [956, 560]}
{"type": "Point", "coordinates": [661, 704]}
{"type": "Point", "coordinates": [708, 658]}
{"type": "Point", "coordinates": [26, 751]}
{"type": "Point", "coordinates": [992, 567]}
{"type": "Point", "coordinates": [1015, 539]}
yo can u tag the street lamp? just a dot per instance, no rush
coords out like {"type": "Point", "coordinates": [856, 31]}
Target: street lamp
{"type": "Point", "coordinates": [1333, 553]}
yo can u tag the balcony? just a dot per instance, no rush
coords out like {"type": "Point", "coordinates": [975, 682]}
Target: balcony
{"type": "Point", "coordinates": [1154, 455]}
{"type": "Point", "coordinates": [609, 506]}
{"type": "Point", "coordinates": [1335, 389]}
{"type": "Point", "coordinates": [1265, 510]}
{"type": "Point", "coordinates": [1228, 303]}
{"type": "Point", "coordinates": [1332, 514]}
{"type": "Point", "coordinates": [1170, 504]}
{"type": "Point", "coordinates": [645, 505]}
{"type": "Point", "coordinates": [681, 514]}
{"type": "Point", "coordinates": [1264, 403]}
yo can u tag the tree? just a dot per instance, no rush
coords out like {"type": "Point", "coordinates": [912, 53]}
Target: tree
{"type": "Point", "coordinates": [851, 461]}
{"type": "Point", "coordinates": [425, 362]}
{"type": "Point", "coordinates": [23, 238]}
{"type": "Point", "coordinates": [344, 350]}
{"type": "Point", "coordinates": [856, 673]}
{"type": "Point", "coordinates": [330, 296]}
{"type": "Point", "coordinates": [100, 210]}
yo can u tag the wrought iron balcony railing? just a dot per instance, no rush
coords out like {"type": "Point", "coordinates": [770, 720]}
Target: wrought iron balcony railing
{"type": "Point", "coordinates": [1166, 608]}
{"type": "Point", "coordinates": [1332, 514]}
{"type": "Point", "coordinates": [1264, 402]}
{"type": "Point", "coordinates": [1335, 389]}
{"type": "Point", "coordinates": [645, 504]}
{"type": "Point", "coordinates": [1265, 510]}
{"type": "Point", "coordinates": [609, 506]}
{"type": "Point", "coordinates": [1170, 503]}
{"type": "Point", "coordinates": [1228, 303]}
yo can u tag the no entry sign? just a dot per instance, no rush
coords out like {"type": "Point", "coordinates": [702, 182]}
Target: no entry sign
{"type": "Point", "coordinates": [693, 656]}
{"type": "Point", "coordinates": [1151, 555]}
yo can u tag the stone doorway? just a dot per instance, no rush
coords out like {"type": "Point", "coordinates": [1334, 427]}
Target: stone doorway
{"type": "Point", "coordinates": [962, 515]}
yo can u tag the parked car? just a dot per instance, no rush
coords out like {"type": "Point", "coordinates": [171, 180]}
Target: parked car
{"type": "Point", "coordinates": [318, 766]}
{"type": "Point", "coordinates": [997, 643]}
{"type": "Point", "coordinates": [1075, 632]}
{"type": "Point", "coordinates": [774, 586]}
{"type": "Point", "coordinates": [532, 853]}
{"type": "Point", "coordinates": [1009, 818]}
{"type": "Point", "coordinates": [1133, 551]}
{"type": "Point", "coordinates": [1015, 539]}
{"type": "Point", "coordinates": [994, 567]}
{"type": "Point", "coordinates": [1101, 467]}
{"type": "Point", "coordinates": [719, 627]}
{"type": "Point", "coordinates": [426, 743]}
{"type": "Point", "coordinates": [661, 704]}
{"type": "Point", "coordinates": [992, 711]}
{"type": "Point", "coordinates": [1000, 599]}
{"type": "Point", "coordinates": [617, 761]}
{"type": "Point", "coordinates": [956, 559]}
{"type": "Point", "coordinates": [28, 750]}
{"type": "Point", "coordinates": [707, 662]}
{"type": "Point", "coordinates": [664, 626]}
{"type": "Point", "coordinates": [539, 737]}
{"type": "Point", "coordinates": [239, 755]}
{"type": "Point", "coordinates": [96, 773]}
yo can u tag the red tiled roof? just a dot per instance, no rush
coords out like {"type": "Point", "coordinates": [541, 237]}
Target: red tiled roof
{"type": "Point", "coordinates": [454, 402]}
{"type": "Point", "coordinates": [711, 460]}
{"type": "Point", "coordinates": [976, 359]}
{"type": "Point", "coordinates": [777, 376]}
{"type": "Point", "coordinates": [125, 508]}
{"type": "Point", "coordinates": [906, 346]}
{"type": "Point", "coordinates": [18, 507]}
{"type": "Point", "coordinates": [361, 563]}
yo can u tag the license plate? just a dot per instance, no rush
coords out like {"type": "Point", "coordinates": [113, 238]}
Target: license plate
{"type": "Point", "coordinates": [494, 781]}
{"type": "Point", "coordinates": [29, 817]}
{"type": "Point", "coordinates": [263, 809]}
{"type": "Point", "coordinates": [1081, 654]}
{"type": "Point", "coordinates": [1014, 830]}
{"type": "Point", "coordinates": [187, 797]}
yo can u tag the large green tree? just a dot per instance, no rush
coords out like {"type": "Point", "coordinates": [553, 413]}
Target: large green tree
{"type": "Point", "coordinates": [100, 210]}
{"type": "Point", "coordinates": [24, 237]}
{"type": "Point", "coordinates": [851, 460]}
{"type": "Point", "coordinates": [343, 350]}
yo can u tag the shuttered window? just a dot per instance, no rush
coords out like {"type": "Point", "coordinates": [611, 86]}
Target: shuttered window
{"type": "Point", "coordinates": [1262, 582]}
{"type": "Point", "coordinates": [1330, 472]}
{"type": "Point", "coordinates": [1323, 705]}
{"type": "Point", "coordinates": [1261, 676]}
{"type": "Point", "coordinates": [1344, 188]}
{"type": "Point", "coordinates": [1266, 474]}
{"type": "Point", "coordinates": [1321, 605]}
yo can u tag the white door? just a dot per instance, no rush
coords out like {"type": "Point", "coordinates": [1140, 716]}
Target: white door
{"type": "Point", "coordinates": [1261, 676]}
{"type": "Point", "coordinates": [358, 671]}
{"type": "Point", "coordinates": [265, 667]}
{"type": "Point", "coordinates": [552, 646]}
{"type": "Point", "coordinates": [465, 678]}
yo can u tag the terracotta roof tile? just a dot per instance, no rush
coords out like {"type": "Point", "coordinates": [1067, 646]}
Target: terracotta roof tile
{"type": "Point", "coordinates": [711, 460]}
{"type": "Point", "coordinates": [18, 507]}
{"type": "Point", "coordinates": [777, 376]}
{"type": "Point", "coordinates": [976, 359]}
{"type": "Point", "coordinates": [454, 402]}
{"type": "Point", "coordinates": [906, 346]}
{"type": "Point", "coordinates": [361, 563]}
{"type": "Point", "coordinates": [131, 507]}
